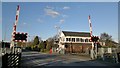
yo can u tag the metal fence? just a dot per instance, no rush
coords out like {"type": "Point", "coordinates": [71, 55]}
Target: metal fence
{"type": "Point", "coordinates": [106, 50]}
{"type": "Point", "coordinates": [108, 54]}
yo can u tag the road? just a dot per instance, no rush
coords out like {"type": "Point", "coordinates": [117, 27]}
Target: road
{"type": "Point", "coordinates": [32, 59]}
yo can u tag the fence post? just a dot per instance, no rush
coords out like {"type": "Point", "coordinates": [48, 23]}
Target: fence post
{"type": "Point", "coordinates": [19, 63]}
{"type": "Point", "coordinates": [102, 53]}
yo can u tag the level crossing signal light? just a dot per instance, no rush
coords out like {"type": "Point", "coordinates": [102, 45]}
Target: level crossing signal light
{"type": "Point", "coordinates": [20, 37]}
{"type": "Point", "coordinates": [94, 38]}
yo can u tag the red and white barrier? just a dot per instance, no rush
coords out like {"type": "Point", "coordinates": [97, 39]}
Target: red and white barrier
{"type": "Point", "coordinates": [90, 25]}
{"type": "Point", "coordinates": [15, 25]}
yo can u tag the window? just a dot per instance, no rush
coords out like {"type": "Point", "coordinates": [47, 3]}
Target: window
{"type": "Point", "coordinates": [77, 40]}
{"type": "Point", "coordinates": [86, 40]}
{"type": "Point", "coordinates": [67, 39]}
{"type": "Point", "coordinates": [73, 39]}
{"type": "Point", "coordinates": [82, 40]}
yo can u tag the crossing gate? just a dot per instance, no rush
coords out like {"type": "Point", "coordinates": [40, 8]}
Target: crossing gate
{"type": "Point", "coordinates": [11, 60]}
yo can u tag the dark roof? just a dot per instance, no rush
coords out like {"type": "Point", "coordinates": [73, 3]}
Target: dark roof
{"type": "Point", "coordinates": [79, 34]}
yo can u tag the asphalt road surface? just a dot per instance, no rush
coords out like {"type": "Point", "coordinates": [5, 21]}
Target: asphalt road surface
{"type": "Point", "coordinates": [32, 59]}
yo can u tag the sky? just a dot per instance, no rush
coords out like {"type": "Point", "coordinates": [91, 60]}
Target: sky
{"type": "Point", "coordinates": [119, 22]}
{"type": "Point", "coordinates": [0, 21]}
{"type": "Point", "coordinates": [40, 18]}
{"type": "Point", "coordinates": [60, 0]}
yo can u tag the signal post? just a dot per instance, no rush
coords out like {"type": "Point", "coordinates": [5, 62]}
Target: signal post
{"type": "Point", "coordinates": [94, 40]}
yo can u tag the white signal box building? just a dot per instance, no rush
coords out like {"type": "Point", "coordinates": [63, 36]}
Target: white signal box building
{"type": "Point", "coordinates": [74, 42]}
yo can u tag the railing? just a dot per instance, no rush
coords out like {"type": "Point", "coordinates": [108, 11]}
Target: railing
{"type": "Point", "coordinates": [11, 60]}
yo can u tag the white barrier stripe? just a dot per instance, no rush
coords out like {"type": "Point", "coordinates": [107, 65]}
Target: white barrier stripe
{"type": "Point", "coordinates": [90, 25]}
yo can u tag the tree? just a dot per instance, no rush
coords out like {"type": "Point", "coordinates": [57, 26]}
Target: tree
{"type": "Point", "coordinates": [19, 43]}
{"type": "Point", "coordinates": [110, 43]}
{"type": "Point", "coordinates": [29, 44]}
{"type": "Point", "coordinates": [36, 41]}
{"type": "Point", "coordinates": [45, 44]}
{"type": "Point", "coordinates": [41, 46]}
{"type": "Point", "coordinates": [104, 36]}
{"type": "Point", "coordinates": [50, 43]}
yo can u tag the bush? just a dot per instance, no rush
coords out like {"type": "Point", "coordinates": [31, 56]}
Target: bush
{"type": "Point", "coordinates": [42, 50]}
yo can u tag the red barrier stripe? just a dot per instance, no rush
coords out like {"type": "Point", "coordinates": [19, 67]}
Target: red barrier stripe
{"type": "Point", "coordinates": [16, 17]}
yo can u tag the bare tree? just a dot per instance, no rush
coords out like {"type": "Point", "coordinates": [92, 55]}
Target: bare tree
{"type": "Point", "coordinates": [104, 37]}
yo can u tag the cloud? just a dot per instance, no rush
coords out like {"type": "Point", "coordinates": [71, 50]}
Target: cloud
{"type": "Point", "coordinates": [51, 12]}
{"type": "Point", "coordinates": [61, 21]}
{"type": "Point", "coordinates": [48, 7]}
{"type": "Point", "coordinates": [65, 8]}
